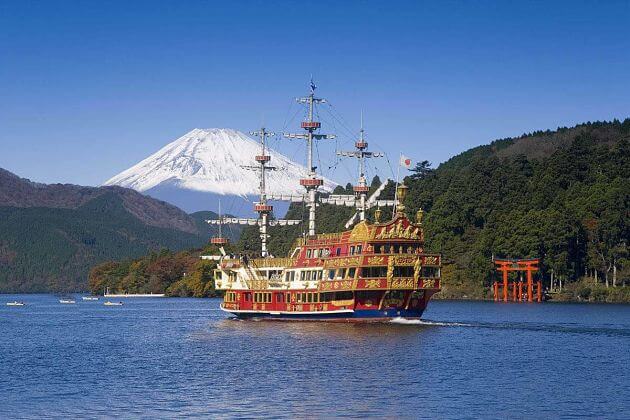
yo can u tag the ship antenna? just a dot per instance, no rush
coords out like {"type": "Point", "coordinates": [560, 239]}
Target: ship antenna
{"type": "Point", "coordinates": [312, 182]}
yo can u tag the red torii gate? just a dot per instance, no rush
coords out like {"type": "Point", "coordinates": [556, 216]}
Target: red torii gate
{"type": "Point", "coordinates": [528, 265]}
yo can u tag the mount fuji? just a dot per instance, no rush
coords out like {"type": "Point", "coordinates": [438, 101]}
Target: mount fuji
{"type": "Point", "coordinates": [205, 165]}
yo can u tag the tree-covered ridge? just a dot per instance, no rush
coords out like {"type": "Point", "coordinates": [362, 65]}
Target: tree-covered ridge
{"type": "Point", "coordinates": [570, 207]}
{"type": "Point", "coordinates": [176, 274]}
{"type": "Point", "coordinates": [52, 249]}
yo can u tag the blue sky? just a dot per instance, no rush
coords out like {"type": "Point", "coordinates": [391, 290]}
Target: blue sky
{"type": "Point", "coordinates": [89, 88]}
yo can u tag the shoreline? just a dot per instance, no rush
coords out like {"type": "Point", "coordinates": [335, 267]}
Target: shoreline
{"type": "Point", "coordinates": [434, 298]}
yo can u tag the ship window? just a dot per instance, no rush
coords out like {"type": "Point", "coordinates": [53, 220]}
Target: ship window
{"type": "Point", "coordinates": [374, 272]}
{"type": "Point", "coordinates": [331, 274]}
{"type": "Point", "coordinates": [338, 252]}
{"type": "Point", "coordinates": [247, 296]}
{"type": "Point", "coordinates": [343, 295]}
{"type": "Point", "coordinates": [309, 297]}
{"type": "Point", "coordinates": [302, 275]}
{"type": "Point", "coordinates": [377, 249]}
{"type": "Point", "coordinates": [268, 297]}
{"type": "Point", "coordinates": [308, 253]}
{"type": "Point", "coordinates": [308, 276]}
{"type": "Point", "coordinates": [351, 272]}
{"type": "Point", "coordinates": [429, 272]}
{"type": "Point", "coordinates": [352, 250]}
{"type": "Point", "coordinates": [403, 271]}
{"type": "Point", "coordinates": [279, 298]}
{"type": "Point", "coordinates": [315, 297]}
{"type": "Point", "coordinates": [358, 250]}
{"type": "Point", "coordinates": [326, 297]}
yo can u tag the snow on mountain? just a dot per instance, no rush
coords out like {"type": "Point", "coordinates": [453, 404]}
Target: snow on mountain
{"type": "Point", "coordinates": [210, 161]}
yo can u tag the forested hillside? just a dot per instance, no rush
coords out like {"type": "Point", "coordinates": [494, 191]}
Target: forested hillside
{"type": "Point", "coordinates": [51, 235]}
{"type": "Point", "coordinates": [563, 196]}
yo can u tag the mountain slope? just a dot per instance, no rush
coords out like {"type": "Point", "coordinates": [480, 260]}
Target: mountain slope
{"type": "Point", "coordinates": [210, 161]}
{"type": "Point", "coordinates": [20, 192]}
{"type": "Point", "coordinates": [50, 235]}
{"type": "Point", "coordinates": [563, 196]}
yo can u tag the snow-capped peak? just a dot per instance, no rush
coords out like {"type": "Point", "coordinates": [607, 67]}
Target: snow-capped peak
{"type": "Point", "coordinates": [211, 160]}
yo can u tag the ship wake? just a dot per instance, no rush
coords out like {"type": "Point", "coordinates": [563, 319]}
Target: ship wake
{"type": "Point", "coordinates": [405, 321]}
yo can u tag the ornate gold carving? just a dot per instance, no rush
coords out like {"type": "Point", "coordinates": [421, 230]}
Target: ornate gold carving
{"type": "Point", "coordinates": [417, 266]}
{"type": "Point", "coordinates": [372, 284]}
{"type": "Point", "coordinates": [419, 215]}
{"type": "Point", "coordinates": [259, 284]}
{"type": "Point", "coordinates": [390, 269]}
{"type": "Point", "coordinates": [428, 283]}
{"type": "Point", "coordinates": [396, 231]}
{"type": "Point", "coordinates": [432, 260]}
{"type": "Point", "coordinates": [361, 232]}
{"type": "Point", "coordinates": [405, 260]}
{"type": "Point", "coordinates": [337, 285]}
{"type": "Point", "coordinates": [376, 260]}
{"type": "Point", "coordinates": [342, 262]}
{"type": "Point", "coordinates": [404, 283]}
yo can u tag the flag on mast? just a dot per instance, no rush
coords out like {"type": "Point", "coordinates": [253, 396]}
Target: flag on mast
{"type": "Point", "coordinates": [405, 162]}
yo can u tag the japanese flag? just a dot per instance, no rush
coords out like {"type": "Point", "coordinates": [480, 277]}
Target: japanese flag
{"type": "Point", "coordinates": [405, 162]}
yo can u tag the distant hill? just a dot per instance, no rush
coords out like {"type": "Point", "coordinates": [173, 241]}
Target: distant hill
{"type": "Point", "coordinates": [50, 235]}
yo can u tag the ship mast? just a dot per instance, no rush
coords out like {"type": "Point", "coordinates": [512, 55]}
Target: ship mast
{"type": "Point", "coordinates": [312, 182]}
{"type": "Point", "coordinates": [262, 207]}
{"type": "Point", "coordinates": [219, 240]}
{"type": "Point", "coordinates": [361, 189]}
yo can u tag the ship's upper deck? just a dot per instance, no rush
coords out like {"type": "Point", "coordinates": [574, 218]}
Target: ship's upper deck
{"type": "Point", "coordinates": [367, 244]}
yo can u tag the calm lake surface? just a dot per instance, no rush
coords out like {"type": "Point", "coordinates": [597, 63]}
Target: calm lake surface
{"type": "Point", "coordinates": [184, 357]}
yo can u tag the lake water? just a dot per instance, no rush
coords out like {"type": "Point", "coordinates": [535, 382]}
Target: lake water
{"type": "Point", "coordinates": [184, 357]}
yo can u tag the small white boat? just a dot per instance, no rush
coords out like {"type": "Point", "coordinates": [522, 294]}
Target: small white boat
{"type": "Point", "coordinates": [67, 301]}
{"type": "Point", "coordinates": [108, 303]}
{"type": "Point", "coordinates": [89, 298]}
{"type": "Point", "coordinates": [16, 303]}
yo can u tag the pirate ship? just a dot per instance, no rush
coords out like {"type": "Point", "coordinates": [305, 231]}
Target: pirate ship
{"type": "Point", "coordinates": [377, 270]}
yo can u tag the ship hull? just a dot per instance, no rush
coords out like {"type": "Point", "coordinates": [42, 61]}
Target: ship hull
{"type": "Point", "coordinates": [350, 316]}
